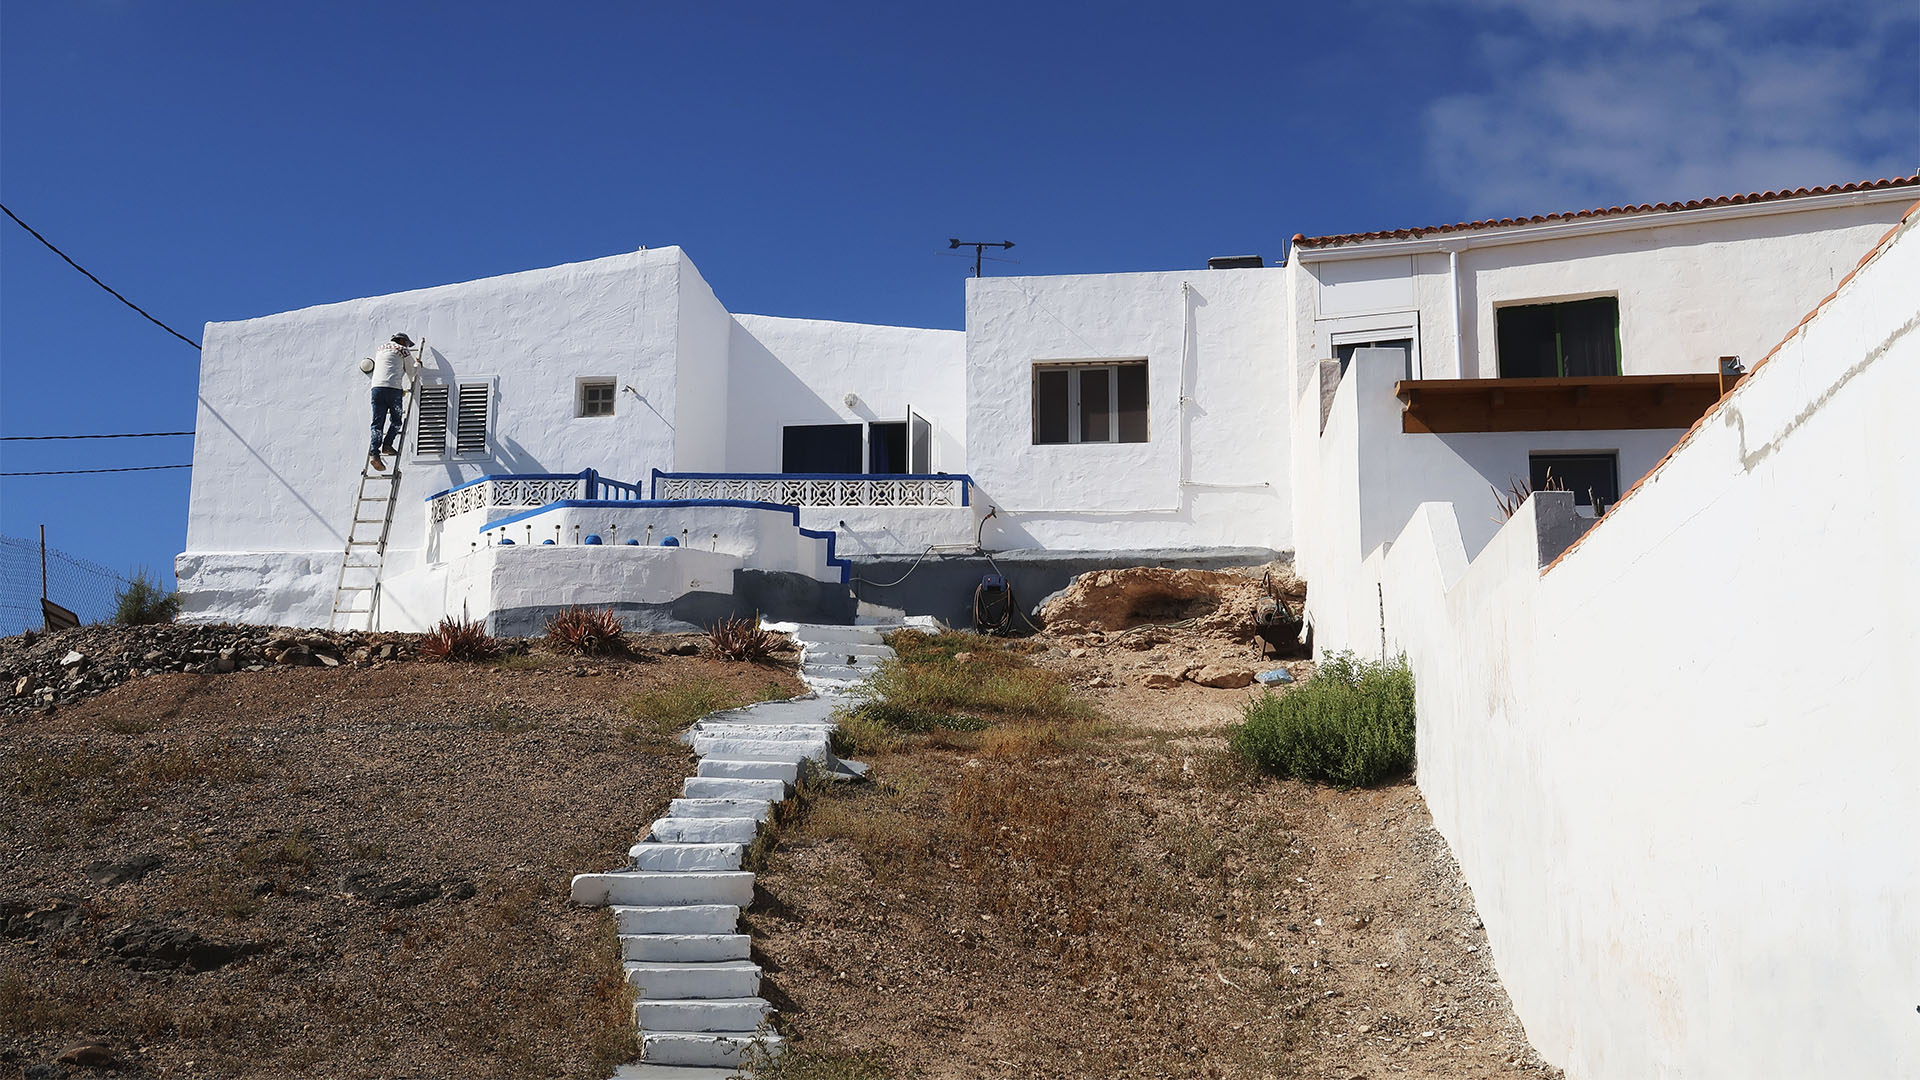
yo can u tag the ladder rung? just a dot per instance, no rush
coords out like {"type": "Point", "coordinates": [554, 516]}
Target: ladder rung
{"type": "Point", "coordinates": [355, 588]}
{"type": "Point", "coordinates": [363, 543]}
{"type": "Point", "coordinates": [368, 521]}
{"type": "Point", "coordinates": [360, 566]}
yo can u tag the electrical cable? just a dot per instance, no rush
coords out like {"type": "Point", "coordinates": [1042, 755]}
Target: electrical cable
{"type": "Point", "coordinates": [96, 280]}
{"type": "Point", "coordinates": [902, 577]}
{"type": "Point", "coordinates": [117, 435]}
{"type": "Point", "coordinates": [78, 472]}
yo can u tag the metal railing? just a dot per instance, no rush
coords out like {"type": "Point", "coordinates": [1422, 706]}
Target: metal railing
{"type": "Point", "coordinates": [818, 489]}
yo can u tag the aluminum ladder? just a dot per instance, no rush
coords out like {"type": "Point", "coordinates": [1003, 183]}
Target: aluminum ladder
{"type": "Point", "coordinates": [357, 590]}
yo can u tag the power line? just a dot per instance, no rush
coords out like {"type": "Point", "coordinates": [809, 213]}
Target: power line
{"type": "Point", "coordinates": [97, 281]}
{"type": "Point", "coordinates": [77, 472]}
{"type": "Point", "coordinates": [116, 435]}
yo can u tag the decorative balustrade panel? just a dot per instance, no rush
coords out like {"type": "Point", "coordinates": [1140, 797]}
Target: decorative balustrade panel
{"type": "Point", "coordinates": [507, 491]}
{"type": "Point", "coordinates": [817, 491]}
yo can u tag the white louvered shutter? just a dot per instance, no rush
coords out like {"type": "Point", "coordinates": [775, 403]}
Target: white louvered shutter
{"type": "Point", "coordinates": [430, 434]}
{"type": "Point", "coordinates": [470, 431]}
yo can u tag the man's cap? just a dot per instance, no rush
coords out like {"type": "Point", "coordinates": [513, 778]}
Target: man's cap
{"type": "Point", "coordinates": [404, 340]}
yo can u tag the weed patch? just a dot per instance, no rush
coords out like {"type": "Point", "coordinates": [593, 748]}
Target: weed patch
{"type": "Point", "coordinates": [1350, 725]}
{"type": "Point", "coordinates": [664, 712]}
{"type": "Point", "coordinates": [961, 682]}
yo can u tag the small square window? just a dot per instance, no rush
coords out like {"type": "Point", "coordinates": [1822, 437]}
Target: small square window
{"type": "Point", "coordinates": [596, 397]}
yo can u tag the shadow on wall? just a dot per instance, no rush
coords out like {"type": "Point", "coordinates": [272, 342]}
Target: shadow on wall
{"type": "Point", "coordinates": [768, 396]}
{"type": "Point", "coordinates": [338, 536]}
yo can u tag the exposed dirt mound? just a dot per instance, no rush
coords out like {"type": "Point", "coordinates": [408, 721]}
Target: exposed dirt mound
{"type": "Point", "coordinates": [1215, 602]}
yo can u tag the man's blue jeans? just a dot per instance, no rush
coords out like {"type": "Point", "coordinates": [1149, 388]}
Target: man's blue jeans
{"type": "Point", "coordinates": [386, 406]}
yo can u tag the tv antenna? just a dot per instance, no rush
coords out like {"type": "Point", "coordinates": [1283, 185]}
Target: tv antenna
{"type": "Point", "coordinates": [977, 246]}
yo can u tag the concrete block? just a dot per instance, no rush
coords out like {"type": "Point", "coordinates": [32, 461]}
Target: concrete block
{"type": "Point", "coordinates": [697, 1014]}
{"type": "Point", "coordinates": [811, 635]}
{"type": "Point", "coordinates": [678, 919]}
{"type": "Point", "coordinates": [713, 787]}
{"type": "Point", "coordinates": [642, 1071]}
{"type": "Point", "coordinates": [757, 809]}
{"type": "Point", "coordinates": [679, 830]}
{"type": "Point", "coordinates": [684, 948]}
{"type": "Point", "coordinates": [705, 1048]}
{"type": "Point", "coordinates": [785, 771]}
{"type": "Point", "coordinates": [717, 979]}
{"type": "Point", "coordinates": [655, 855]}
{"type": "Point", "coordinates": [658, 889]}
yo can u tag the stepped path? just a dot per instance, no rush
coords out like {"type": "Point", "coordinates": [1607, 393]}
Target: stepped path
{"type": "Point", "coordinates": [678, 905]}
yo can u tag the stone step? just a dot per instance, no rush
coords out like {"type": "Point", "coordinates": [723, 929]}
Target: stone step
{"type": "Point", "coordinates": [797, 733]}
{"type": "Point", "coordinates": [811, 635]}
{"type": "Point", "coordinates": [835, 672]}
{"type": "Point", "coordinates": [678, 919]}
{"type": "Point", "coordinates": [829, 657]}
{"type": "Point", "coordinates": [712, 979]}
{"type": "Point", "coordinates": [718, 787]}
{"type": "Point", "coordinates": [757, 809]}
{"type": "Point", "coordinates": [785, 771]}
{"type": "Point", "coordinates": [740, 748]}
{"type": "Point", "coordinates": [660, 889]}
{"type": "Point", "coordinates": [846, 648]}
{"type": "Point", "coordinates": [700, 1014]}
{"type": "Point", "coordinates": [706, 1048]}
{"type": "Point", "coordinates": [661, 855]}
{"type": "Point", "coordinates": [643, 1071]}
{"type": "Point", "coordinates": [684, 948]}
{"type": "Point", "coordinates": [679, 830]}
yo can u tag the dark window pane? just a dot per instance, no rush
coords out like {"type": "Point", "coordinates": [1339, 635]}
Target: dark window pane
{"type": "Point", "coordinates": [1588, 476]}
{"type": "Point", "coordinates": [1096, 405]}
{"type": "Point", "coordinates": [1528, 346]}
{"type": "Point", "coordinates": [887, 447]}
{"type": "Point", "coordinates": [1132, 395]}
{"type": "Point", "coordinates": [1050, 406]}
{"type": "Point", "coordinates": [820, 448]}
{"type": "Point", "coordinates": [1589, 336]}
{"type": "Point", "coordinates": [1344, 353]}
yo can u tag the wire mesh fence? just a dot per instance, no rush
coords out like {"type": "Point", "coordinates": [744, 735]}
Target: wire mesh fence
{"type": "Point", "coordinates": [87, 589]}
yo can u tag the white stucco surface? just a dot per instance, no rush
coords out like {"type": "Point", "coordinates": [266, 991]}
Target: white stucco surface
{"type": "Point", "coordinates": [800, 371]}
{"type": "Point", "coordinates": [1677, 766]}
{"type": "Point", "coordinates": [1213, 470]}
{"type": "Point", "coordinates": [1693, 286]}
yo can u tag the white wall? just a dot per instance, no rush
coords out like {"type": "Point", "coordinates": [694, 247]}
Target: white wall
{"type": "Point", "coordinates": [799, 371]}
{"type": "Point", "coordinates": [1224, 338]}
{"type": "Point", "coordinates": [1369, 477]}
{"type": "Point", "coordinates": [282, 430]}
{"type": "Point", "coordinates": [1693, 286]}
{"type": "Point", "coordinates": [1677, 766]}
{"type": "Point", "coordinates": [703, 406]}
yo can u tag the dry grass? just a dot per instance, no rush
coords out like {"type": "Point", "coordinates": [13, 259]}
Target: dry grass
{"type": "Point", "coordinates": [660, 714]}
{"type": "Point", "coordinates": [954, 683]}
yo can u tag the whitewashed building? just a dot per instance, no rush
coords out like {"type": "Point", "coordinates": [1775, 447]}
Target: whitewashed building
{"type": "Point", "coordinates": [607, 432]}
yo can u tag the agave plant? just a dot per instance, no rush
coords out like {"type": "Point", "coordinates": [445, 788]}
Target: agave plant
{"type": "Point", "coordinates": [593, 631]}
{"type": "Point", "coordinates": [458, 639]}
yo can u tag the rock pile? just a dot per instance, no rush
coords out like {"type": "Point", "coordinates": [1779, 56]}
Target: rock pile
{"type": "Point", "coordinates": [37, 670]}
{"type": "Point", "coordinates": [1213, 602]}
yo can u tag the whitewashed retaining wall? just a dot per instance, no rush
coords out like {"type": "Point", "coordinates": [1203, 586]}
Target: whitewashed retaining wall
{"type": "Point", "coordinates": [1677, 767]}
{"type": "Point", "coordinates": [1213, 472]}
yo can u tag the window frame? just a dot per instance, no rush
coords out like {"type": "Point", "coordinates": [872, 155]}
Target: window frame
{"type": "Point", "coordinates": [584, 386]}
{"type": "Point", "coordinates": [1619, 337]}
{"type": "Point", "coordinates": [1074, 369]}
{"type": "Point", "coordinates": [1381, 326]}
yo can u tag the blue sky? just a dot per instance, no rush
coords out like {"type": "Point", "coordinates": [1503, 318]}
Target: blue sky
{"type": "Point", "coordinates": [218, 161]}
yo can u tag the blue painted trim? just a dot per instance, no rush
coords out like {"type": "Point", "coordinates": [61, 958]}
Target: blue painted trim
{"type": "Point", "coordinates": [846, 567]}
{"type": "Point", "coordinates": [832, 538]}
{"type": "Point", "coordinates": [966, 481]}
{"type": "Point", "coordinates": [594, 480]}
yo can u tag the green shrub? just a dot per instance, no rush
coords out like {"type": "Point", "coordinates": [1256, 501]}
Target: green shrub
{"type": "Point", "coordinates": [143, 601]}
{"type": "Point", "coordinates": [1350, 725]}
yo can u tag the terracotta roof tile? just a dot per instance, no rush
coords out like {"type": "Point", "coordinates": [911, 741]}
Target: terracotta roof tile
{"type": "Point", "coordinates": [1300, 241]}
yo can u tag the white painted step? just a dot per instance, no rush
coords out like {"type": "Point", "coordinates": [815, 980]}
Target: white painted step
{"type": "Point", "coordinates": [715, 979]}
{"type": "Point", "coordinates": [835, 672]}
{"type": "Point", "coordinates": [678, 919]}
{"type": "Point", "coordinates": [815, 634]}
{"type": "Point", "coordinates": [659, 889]}
{"type": "Point", "coordinates": [793, 733]}
{"type": "Point", "coordinates": [847, 648]}
{"type": "Point", "coordinates": [684, 948]}
{"type": "Point", "coordinates": [836, 658]}
{"type": "Point", "coordinates": [737, 748]}
{"type": "Point", "coordinates": [757, 809]}
{"type": "Point", "coordinates": [700, 1014]}
{"type": "Point", "coordinates": [717, 787]}
{"type": "Point", "coordinates": [784, 771]}
{"type": "Point", "coordinates": [651, 855]}
{"type": "Point", "coordinates": [705, 1048]}
{"type": "Point", "coordinates": [642, 1071]}
{"type": "Point", "coordinates": [679, 830]}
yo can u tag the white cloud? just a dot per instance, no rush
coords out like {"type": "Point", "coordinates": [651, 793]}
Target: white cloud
{"type": "Point", "coordinates": [1599, 103]}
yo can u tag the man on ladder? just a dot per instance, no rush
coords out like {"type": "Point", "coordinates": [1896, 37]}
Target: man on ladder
{"type": "Point", "coordinates": [389, 368]}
